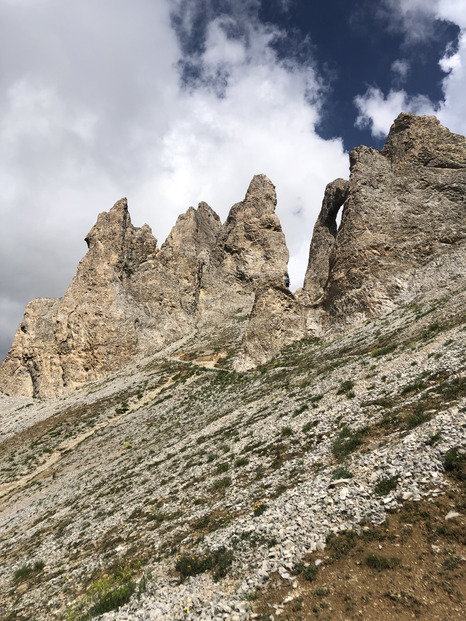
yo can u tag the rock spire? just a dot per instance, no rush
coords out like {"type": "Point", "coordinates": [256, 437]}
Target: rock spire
{"type": "Point", "coordinates": [402, 237]}
{"type": "Point", "coordinates": [404, 211]}
{"type": "Point", "coordinates": [130, 298]}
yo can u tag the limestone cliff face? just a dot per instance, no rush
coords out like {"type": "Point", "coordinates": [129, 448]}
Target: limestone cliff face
{"type": "Point", "coordinates": [250, 251]}
{"type": "Point", "coordinates": [98, 324]}
{"type": "Point", "coordinates": [130, 298]}
{"type": "Point", "coordinates": [402, 237]}
{"type": "Point", "coordinates": [277, 319]}
{"type": "Point", "coordinates": [404, 209]}
{"type": "Point", "coordinates": [252, 240]}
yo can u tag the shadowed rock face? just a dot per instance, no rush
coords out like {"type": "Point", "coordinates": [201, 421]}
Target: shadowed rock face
{"type": "Point", "coordinates": [404, 211]}
{"type": "Point", "coordinates": [402, 237]}
{"type": "Point", "coordinates": [276, 320]}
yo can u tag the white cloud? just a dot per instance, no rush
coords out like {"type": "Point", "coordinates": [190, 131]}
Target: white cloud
{"type": "Point", "coordinates": [375, 108]}
{"type": "Point", "coordinates": [452, 111]}
{"type": "Point", "coordinates": [91, 109]}
{"type": "Point", "coordinates": [415, 17]}
{"type": "Point", "coordinates": [452, 10]}
{"type": "Point", "coordinates": [377, 111]}
{"type": "Point", "coordinates": [412, 17]}
{"type": "Point", "coordinates": [220, 49]}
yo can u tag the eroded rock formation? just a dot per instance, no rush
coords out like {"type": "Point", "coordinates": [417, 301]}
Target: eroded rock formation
{"type": "Point", "coordinates": [323, 239]}
{"type": "Point", "coordinates": [402, 235]}
{"type": "Point", "coordinates": [130, 298]}
{"type": "Point", "coordinates": [405, 209]}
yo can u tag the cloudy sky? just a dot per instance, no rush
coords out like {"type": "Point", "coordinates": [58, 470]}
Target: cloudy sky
{"type": "Point", "coordinates": [170, 102]}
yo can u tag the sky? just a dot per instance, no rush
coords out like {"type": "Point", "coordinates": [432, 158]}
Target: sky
{"type": "Point", "coordinates": [171, 102]}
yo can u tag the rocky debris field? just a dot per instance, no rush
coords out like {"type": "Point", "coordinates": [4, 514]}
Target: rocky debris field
{"type": "Point", "coordinates": [178, 488]}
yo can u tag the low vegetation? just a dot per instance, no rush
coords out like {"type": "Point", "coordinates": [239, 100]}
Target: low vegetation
{"type": "Point", "coordinates": [217, 562]}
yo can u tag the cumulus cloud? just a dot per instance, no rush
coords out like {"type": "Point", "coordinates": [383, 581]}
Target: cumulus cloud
{"type": "Point", "coordinates": [453, 109]}
{"type": "Point", "coordinates": [375, 108]}
{"type": "Point", "coordinates": [167, 103]}
{"type": "Point", "coordinates": [377, 111]}
{"type": "Point", "coordinates": [414, 18]}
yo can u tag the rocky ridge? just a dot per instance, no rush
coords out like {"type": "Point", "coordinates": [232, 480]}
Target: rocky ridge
{"type": "Point", "coordinates": [129, 297]}
{"type": "Point", "coordinates": [405, 210]}
{"type": "Point", "coordinates": [402, 215]}
{"type": "Point", "coordinates": [226, 455]}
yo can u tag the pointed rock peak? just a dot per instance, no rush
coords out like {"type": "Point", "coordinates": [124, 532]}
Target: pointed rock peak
{"type": "Point", "coordinates": [423, 140]}
{"type": "Point", "coordinates": [405, 120]}
{"type": "Point", "coordinates": [261, 188]}
{"type": "Point", "coordinates": [194, 231]}
{"type": "Point", "coordinates": [205, 210]}
{"type": "Point", "coordinates": [119, 213]}
{"type": "Point", "coordinates": [111, 224]}
{"type": "Point", "coordinates": [260, 200]}
{"type": "Point", "coordinates": [120, 206]}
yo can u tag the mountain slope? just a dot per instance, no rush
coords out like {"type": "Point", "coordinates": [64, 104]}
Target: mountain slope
{"type": "Point", "coordinates": [174, 457]}
{"type": "Point", "coordinates": [202, 475]}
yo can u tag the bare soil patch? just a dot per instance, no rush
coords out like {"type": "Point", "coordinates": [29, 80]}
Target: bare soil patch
{"type": "Point", "coordinates": [411, 567]}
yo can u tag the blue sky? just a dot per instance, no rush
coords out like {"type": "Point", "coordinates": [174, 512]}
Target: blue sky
{"type": "Point", "coordinates": [170, 102]}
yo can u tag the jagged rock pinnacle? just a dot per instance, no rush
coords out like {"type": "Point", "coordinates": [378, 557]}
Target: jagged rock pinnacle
{"type": "Point", "coordinates": [129, 298]}
{"type": "Point", "coordinates": [262, 189]}
{"type": "Point", "coordinates": [405, 209]}
{"type": "Point", "coordinates": [403, 221]}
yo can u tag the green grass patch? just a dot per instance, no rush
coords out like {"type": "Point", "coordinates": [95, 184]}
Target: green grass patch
{"type": "Point", "coordinates": [28, 571]}
{"type": "Point", "coordinates": [259, 508]}
{"type": "Point", "coordinates": [378, 562]}
{"type": "Point", "coordinates": [218, 562]}
{"type": "Point", "coordinates": [112, 599]}
{"type": "Point", "coordinates": [347, 441]}
{"type": "Point", "coordinates": [341, 544]}
{"type": "Point", "coordinates": [301, 409]}
{"type": "Point", "coordinates": [345, 387]}
{"type": "Point", "coordinates": [122, 408]}
{"type": "Point", "coordinates": [434, 438]}
{"type": "Point", "coordinates": [109, 592]}
{"type": "Point", "coordinates": [385, 486]}
{"type": "Point", "coordinates": [452, 562]}
{"type": "Point", "coordinates": [413, 387]}
{"type": "Point", "coordinates": [382, 351]}
{"type": "Point", "coordinates": [341, 473]}
{"type": "Point", "coordinates": [221, 483]}
{"type": "Point", "coordinates": [454, 463]}
{"type": "Point", "coordinates": [416, 418]}
{"type": "Point", "coordinates": [308, 426]}
{"type": "Point", "coordinates": [308, 572]}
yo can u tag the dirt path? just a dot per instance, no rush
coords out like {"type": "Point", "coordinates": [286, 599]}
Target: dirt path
{"type": "Point", "coordinates": [8, 489]}
{"type": "Point", "coordinates": [207, 363]}
{"type": "Point", "coordinates": [65, 447]}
